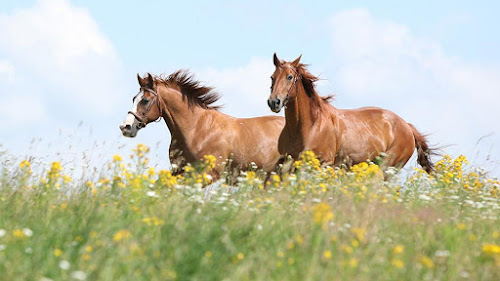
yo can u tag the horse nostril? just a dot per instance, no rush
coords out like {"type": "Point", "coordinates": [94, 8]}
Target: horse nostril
{"type": "Point", "coordinates": [128, 127]}
{"type": "Point", "coordinates": [269, 103]}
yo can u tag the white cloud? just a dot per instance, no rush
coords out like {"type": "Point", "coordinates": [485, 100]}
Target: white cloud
{"type": "Point", "coordinates": [379, 62]}
{"type": "Point", "coordinates": [7, 69]}
{"type": "Point", "coordinates": [59, 48]}
{"type": "Point", "coordinates": [22, 110]}
{"type": "Point", "coordinates": [244, 89]}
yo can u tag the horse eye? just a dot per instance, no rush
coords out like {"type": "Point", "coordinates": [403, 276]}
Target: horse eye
{"type": "Point", "coordinates": [144, 101]}
{"type": "Point", "coordinates": [290, 77]}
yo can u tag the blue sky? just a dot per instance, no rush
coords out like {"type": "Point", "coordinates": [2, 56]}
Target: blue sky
{"type": "Point", "coordinates": [67, 68]}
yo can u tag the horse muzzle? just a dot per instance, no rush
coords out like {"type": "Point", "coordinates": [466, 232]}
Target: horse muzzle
{"type": "Point", "coordinates": [275, 104]}
{"type": "Point", "coordinates": [128, 130]}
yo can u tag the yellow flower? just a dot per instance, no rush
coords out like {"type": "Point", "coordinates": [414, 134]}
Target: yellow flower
{"type": "Point", "coordinates": [322, 213]}
{"type": "Point", "coordinates": [88, 249]}
{"type": "Point", "coordinates": [347, 249]}
{"type": "Point", "coordinates": [25, 164]}
{"type": "Point", "coordinates": [153, 221]}
{"type": "Point", "coordinates": [353, 262]}
{"type": "Point", "coordinates": [18, 233]}
{"type": "Point", "coordinates": [461, 226]}
{"type": "Point", "coordinates": [209, 162]}
{"type": "Point", "coordinates": [57, 252]}
{"type": "Point", "coordinates": [398, 249]}
{"type": "Point", "coordinates": [327, 254]}
{"type": "Point", "coordinates": [491, 249]}
{"type": "Point", "coordinates": [309, 159]}
{"type": "Point", "coordinates": [360, 233]}
{"type": "Point", "coordinates": [117, 158]}
{"type": "Point", "coordinates": [121, 235]}
{"type": "Point", "coordinates": [151, 172]}
{"type": "Point", "coordinates": [426, 261]}
{"type": "Point", "coordinates": [240, 256]}
{"type": "Point", "coordinates": [208, 254]}
{"type": "Point", "coordinates": [188, 169]}
{"type": "Point", "coordinates": [397, 263]}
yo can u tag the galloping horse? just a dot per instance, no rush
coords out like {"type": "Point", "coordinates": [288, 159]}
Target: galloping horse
{"type": "Point", "coordinates": [198, 128]}
{"type": "Point", "coordinates": [339, 136]}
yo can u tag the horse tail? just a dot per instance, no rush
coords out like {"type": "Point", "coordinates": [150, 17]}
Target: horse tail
{"type": "Point", "coordinates": [424, 152]}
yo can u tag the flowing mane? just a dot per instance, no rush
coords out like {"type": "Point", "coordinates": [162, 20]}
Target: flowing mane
{"type": "Point", "coordinates": [191, 89]}
{"type": "Point", "coordinates": [308, 80]}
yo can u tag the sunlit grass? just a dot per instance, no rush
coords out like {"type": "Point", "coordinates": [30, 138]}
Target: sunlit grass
{"type": "Point", "coordinates": [319, 223]}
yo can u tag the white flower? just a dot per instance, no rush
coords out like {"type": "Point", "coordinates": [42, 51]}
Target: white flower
{"type": "Point", "coordinates": [424, 197]}
{"type": "Point", "coordinates": [64, 264]}
{"type": "Point", "coordinates": [2, 232]}
{"type": "Point", "coordinates": [78, 275]}
{"type": "Point", "coordinates": [28, 250]}
{"type": "Point", "coordinates": [28, 232]}
{"type": "Point", "coordinates": [442, 253]}
{"type": "Point", "coordinates": [2, 247]}
{"type": "Point", "coordinates": [152, 194]}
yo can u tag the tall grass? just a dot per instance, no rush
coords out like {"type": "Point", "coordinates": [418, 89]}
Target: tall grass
{"type": "Point", "coordinates": [319, 223]}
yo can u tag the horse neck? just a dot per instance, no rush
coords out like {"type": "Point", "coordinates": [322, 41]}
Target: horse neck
{"type": "Point", "coordinates": [180, 117]}
{"type": "Point", "coordinates": [298, 113]}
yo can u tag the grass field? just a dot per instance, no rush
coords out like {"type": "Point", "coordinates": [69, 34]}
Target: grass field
{"type": "Point", "coordinates": [319, 223]}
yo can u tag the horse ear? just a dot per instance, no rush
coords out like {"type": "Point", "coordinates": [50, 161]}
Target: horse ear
{"type": "Point", "coordinates": [276, 60]}
{"type": "Point", "coordinates": [150, 80]}
{"type": "Point", "coordinates": [141, 80]}
{"type": "Point", "coordinates": [296, 62]}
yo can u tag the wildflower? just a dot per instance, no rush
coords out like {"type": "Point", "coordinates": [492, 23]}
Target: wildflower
{"type": "Point", "coordinates": [281, 254]}
{"type": "Point", "coordinates": [18, 233]}
{"type": "Point", "coordinates": [353, 262]}
{"type": "Point", "coordinates": [188, 169]}
{"type": "Point", "coordinates": [240, 256]}
{"type": "Point", "coordinates": [88, 248]}
{"type": "Point", "coordinates": [398, 249]}
{"type": "Point", "coordinates": [209, 162]}
{"type": "Point", "coordinates": [28, 232]}
{"type": "Point", "coordinates": [79, 275]}
{"type": "Point", "coordinates": [426, 261]}
{"type": "Point", "coordinates": [153, 221]}
{"type": "Point", "coordinates": [309, 159]}
{"type": "Point", "coordinates": [360, 233]}
{"type": "Point", "coordinates": [117, 158]}
{"type": "Point", "coordinates": [327, 254]}
{"type": "Point", "coordinates": [491, 249]}
{"type": "Point", "coordinates": [461, 226]}
{"type": "Point", "coordinates": [25, 164]}
{"type": "Point", "coordinates": [64, 265]}
{"type": "Point", "coordinates": [121, 235]}
{"type": "Point", "coordinates": [57, 252]}
{"type": "Point", "coordinates": [165, 178]}
{"type": "Point", "coordinates": [2, 232]}
{"type": "Point", "coordinates": [152, 193]}
{"type": "Point", "coordinates": [208, 254]}
{"type": "Point", "coordinates": [322, 213]}
{"type": "Point", "coordinates": [397, 263]}
{"type": "Point", "coordinates": [347, 249]}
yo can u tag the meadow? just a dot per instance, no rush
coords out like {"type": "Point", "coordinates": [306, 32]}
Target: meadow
{"type": "Point", "coordinates": [131, 222]}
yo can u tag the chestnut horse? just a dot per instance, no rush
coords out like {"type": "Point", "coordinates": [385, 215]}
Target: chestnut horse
{"type": "Point", "coordinates": [198, 128]}
{"type": "Point", "coordinates": [339, 136]}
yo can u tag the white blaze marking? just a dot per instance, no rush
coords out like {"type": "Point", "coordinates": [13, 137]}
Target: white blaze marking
{"type": "Point", "coordinates": [131, 118]}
